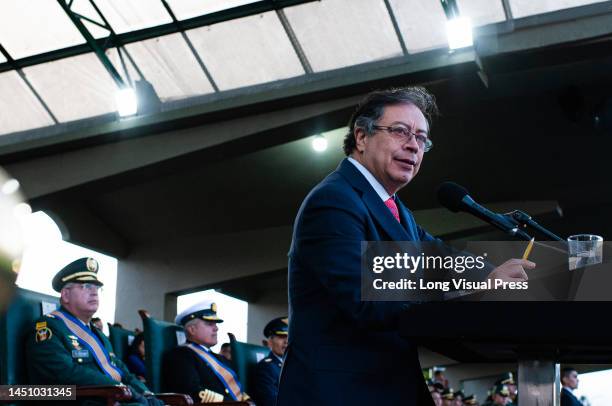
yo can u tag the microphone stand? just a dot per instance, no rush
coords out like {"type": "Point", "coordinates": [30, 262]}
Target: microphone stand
{"type": "Point", "coordinates": [520, 218]}
{"type": "Point", "coordinates": [516, 232]}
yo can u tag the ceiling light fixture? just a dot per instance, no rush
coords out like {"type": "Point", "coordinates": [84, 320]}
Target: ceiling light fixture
{"type": "Point", "coordinates": [319, 143]}
{"type": "Point", "coordinates": [459, 31]}
{"type": "Point", "coordinates": [126, 102]}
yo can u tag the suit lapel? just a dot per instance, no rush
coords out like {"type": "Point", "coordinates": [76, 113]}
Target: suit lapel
{"type": "Point", "coordinates": [381, 213]}
{"type": "Point", "coordinates": [571, 394]}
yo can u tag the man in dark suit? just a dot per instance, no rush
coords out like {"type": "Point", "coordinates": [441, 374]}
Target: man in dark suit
{"type": "Point", "coordinates": [269, 368]}
{"type": "Point", "coordinates": [569, 380]}
{"type": "Point", "coordinates": [193, 368]}
{"type": "Point", "coordinates": [65, 348]}
{"type": "Point", "coordinates": [343, 350]}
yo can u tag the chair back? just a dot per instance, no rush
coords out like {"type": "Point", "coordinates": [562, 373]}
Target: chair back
{"type": "Point", "coordinates": [15, 325]}
{"type": "Point", "coordinates": [120, 339]}
{"type": "Point", "coordinates": [245, 357]}
{"type": "Point", "coordinates": [160, 337]}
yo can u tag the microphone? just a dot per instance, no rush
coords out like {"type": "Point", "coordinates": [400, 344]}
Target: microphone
{"type": "Point", "coordinates": [456, 198]}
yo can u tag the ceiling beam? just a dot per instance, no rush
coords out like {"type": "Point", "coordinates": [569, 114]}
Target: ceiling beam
{"type": "Point", "coordinates": [321, 86]}
{"type": "Point", "coordinates": [91, 42]}
{"type": "Point", "coordinates": [396, 28]}
{"type": "Point", "coordinates": [27, 82]}
{"type": "Point", "coordinates": [246, 10]}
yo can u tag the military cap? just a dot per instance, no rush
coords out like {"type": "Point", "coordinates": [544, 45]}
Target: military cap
{"type": "Point", "coordinates": [83, 270]}
{"type": "Point", "coordinates": [448, 394]}
{"type": "Point", "coordinates": [470, 400]}
{"type": "Point", "coordinates": [277, 327]}
{"type": "Point", "coordinates": [501, 389]}
{"type": "Point", "coordinates": [506, 379]}
{"type": "Point", "coordinates": [459, 393]}
{"type": "Point", "coordinates": [205, 310]}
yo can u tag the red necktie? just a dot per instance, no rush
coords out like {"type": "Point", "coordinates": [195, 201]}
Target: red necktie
{"type": "Point", "coordinates": [390, 203]}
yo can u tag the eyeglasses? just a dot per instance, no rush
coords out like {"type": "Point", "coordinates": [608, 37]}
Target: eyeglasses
{"type": "Point", "coordinates": [404, 134]}
{"type": "Point", "coordinates": [86, 286]}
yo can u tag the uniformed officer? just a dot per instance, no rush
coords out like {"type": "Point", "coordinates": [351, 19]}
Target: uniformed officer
{"type": "Point", "coordinates": [436, 397]}
{"type": "Point", "coordinates": [470, 401]}
{"type": "Point", "coordinates": [448, 397]}
{"type": "Point", "coordinates": [500, 396]}
{"type": "Point", "coordinates": [508, 380]}
{"type": "Point", "coordinates": [65, 348]}
{"type": "Point", "coordinates": [193, 368]}
{"type": "Point", "coordinates": [437, 386]}
{"type": "Point", "coordinates": [269, 368]}
{"type": "Point", "coordinates": [458, 398]}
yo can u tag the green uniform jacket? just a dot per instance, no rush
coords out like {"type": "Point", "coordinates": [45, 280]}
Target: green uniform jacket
{"type": "Point", "coordinates": [51, 360]}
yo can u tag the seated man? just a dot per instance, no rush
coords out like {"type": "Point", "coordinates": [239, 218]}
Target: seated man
{"type": "Point", "coordinates": [458, 398]}
{"type": "Point", "coordinates": [448, 397]}
{"type": "Point", "coordinates": [435, 390]}
{"type": "Point", "coordinates": [508, 380]}
{"type": "Point", "coordinates": [269, 368]}
{"type": "Point", "coordinates": [470, 401]}
{"type": "Point", "coordinates": [500, 396]}
{"type": "Point", "coordinates": [193, 368]}
{"type": "Point", "coordinates": [67, 349]}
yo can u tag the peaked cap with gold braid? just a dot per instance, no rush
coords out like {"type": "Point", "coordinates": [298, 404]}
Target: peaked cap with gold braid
{"type": "Point", "coordinates": [83, 270]}
{"type": "Point", "coordinates": [277, 327]}
{"type": "Point", "coordinates": [205, 310]}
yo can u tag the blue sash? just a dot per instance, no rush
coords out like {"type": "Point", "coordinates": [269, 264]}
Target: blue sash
{"type": "Point", "coordinates": [92, 342]}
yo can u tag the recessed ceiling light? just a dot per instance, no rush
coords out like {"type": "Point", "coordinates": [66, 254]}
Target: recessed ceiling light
{"type": "Point", "coordinates": [319, 143]}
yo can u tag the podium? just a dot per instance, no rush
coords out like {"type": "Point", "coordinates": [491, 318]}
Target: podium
{"type": "Point", "coordinates": [544, 333]}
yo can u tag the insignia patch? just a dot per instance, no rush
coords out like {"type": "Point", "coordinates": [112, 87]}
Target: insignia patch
{"type": "Point", "coordinates": [92, 265]}
{"type": "Point", "coordinates": [213, 307]}
{"type": "Point", "coordinates": [43, 334]}
{"type": "Point", "coordinates": [41, 324]}
{"type": "Point", "coordinates": [75, 343]}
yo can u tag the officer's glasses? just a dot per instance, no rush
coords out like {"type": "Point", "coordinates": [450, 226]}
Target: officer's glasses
{"type": "Point", "coordinates": [405, 135]}
{"type": "Point", "coordinates": [90, 287]}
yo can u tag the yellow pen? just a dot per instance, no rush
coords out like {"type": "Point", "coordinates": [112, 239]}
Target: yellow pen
{"type": "Point", "coordinates": [528, 249]}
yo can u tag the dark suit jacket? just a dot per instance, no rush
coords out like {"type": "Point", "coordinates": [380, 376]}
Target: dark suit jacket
{"type": "Point", "coordinates": [342, 350]}
{"type": "Point", "coordinates": [54, 361]}
{"type": "Point", "coordinates": [568, 398]}
{"type": "Point", "coordinates": [185, 372]}
{"type": "Point", "coordinates": [266, 380]}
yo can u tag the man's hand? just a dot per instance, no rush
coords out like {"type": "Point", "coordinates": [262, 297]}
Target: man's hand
{"type": "Point", "coordinates": [513, 270]}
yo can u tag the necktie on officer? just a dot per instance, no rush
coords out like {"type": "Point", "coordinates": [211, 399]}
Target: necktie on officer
{"type": "Point", "coordinates": [390, 203]}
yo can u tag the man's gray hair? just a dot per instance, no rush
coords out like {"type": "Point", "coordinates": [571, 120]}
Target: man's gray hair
{"type": "Point", "coordinates": [189, 323]}
{"type": "Point", "coordinates": [372, 107]}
